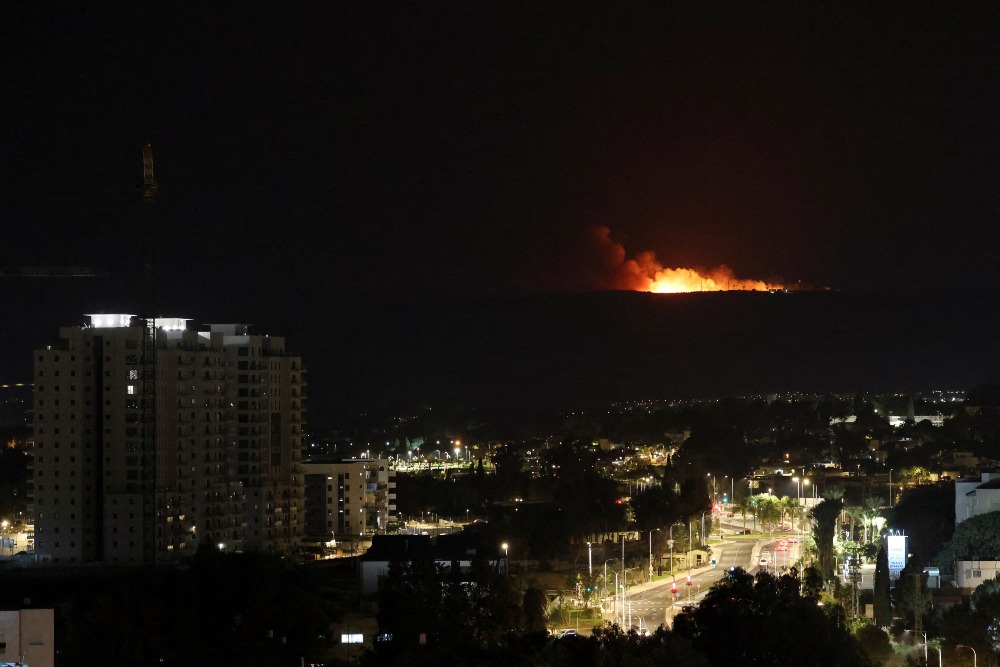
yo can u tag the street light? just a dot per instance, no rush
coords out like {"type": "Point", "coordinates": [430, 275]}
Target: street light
{"type": "Point", "coordinates": [625, 594]}
{"type": "Point", "coordinates": [651, 552]}
{"type": "Point", "coordinates": [671, 543]}
{"type": "Point", "coordinates": [799, 483]}
{"type": "Point", "coordinates": [606, 576]}
{"type": "Point", "coordinates": [506, 563]}
{"type": "Point", "coordinates": [971, 649]}
{"type": "Point", "coordinates": [890, 487]}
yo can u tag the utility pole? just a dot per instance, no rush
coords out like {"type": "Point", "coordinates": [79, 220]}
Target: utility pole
{"type": "Point", "coordinates": [148, 361]}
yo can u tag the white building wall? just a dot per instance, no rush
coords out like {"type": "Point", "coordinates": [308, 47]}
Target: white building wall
{"type": "Point", "coordinates": [28, 637]}
{"type": "Point", "coordinates": [963, 504]}
{"type": "Point", "coordinates": [970, 573]}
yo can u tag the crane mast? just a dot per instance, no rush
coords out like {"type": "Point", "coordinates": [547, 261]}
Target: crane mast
{"type": "Point", "coordinates": [148, 485]}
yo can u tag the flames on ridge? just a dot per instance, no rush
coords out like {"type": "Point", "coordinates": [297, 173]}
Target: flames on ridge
{"type": "Point", "coordinates": [645, 273]}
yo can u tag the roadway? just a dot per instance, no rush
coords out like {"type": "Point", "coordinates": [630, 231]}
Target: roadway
{"type": "Point", "coordinates": [653, 603]}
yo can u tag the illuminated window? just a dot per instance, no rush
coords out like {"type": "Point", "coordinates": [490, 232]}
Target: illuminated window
{"type": "Point", "coordinates": [131, 390]}
{"type": "Point", "coordinates": [133, 374]}
{"type": "Point", "coordinates": [351, 638]}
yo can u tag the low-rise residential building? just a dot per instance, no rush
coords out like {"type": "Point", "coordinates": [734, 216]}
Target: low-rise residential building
{"type": "Point", "coordinates": [348, 498]}
{"type": "Point", "coordinates": [970, 573]}
{"type": "Point", "coordinates": [975, 497]}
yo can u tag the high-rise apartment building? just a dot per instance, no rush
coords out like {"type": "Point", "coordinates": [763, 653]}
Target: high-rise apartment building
{"type": "Point", "coordinates": [211, 454]}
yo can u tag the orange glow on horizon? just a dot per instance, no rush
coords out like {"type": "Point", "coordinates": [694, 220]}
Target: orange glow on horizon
{"type": "Point", "coordinates": [645, 273]}
{"type": "Point", "coordinates": [673, 281]}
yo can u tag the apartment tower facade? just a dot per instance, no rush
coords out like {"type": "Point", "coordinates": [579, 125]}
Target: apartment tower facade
{"type": "Point", "coordinates": [214, 460]}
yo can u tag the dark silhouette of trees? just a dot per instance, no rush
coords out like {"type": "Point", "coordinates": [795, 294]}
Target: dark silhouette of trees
{"type": "Point", "coordinates": [747, 620]}
{"type": "Point", "coordinates": [875, 643]}
{"type": "Point", "coordinates": [225, 609]}
{"type": "Point", "coordinates": [977, 538]}
{"type": "Point", "coordinates": [926, 514]}
{"type": "Point", "coordinates": [825, 515]}
{"type": "Point", "coordinates": [882, 603]}
{"type": "Point", "coordinates": [458, 613]}
{"type": "Point", "coordinates": [906, 595]}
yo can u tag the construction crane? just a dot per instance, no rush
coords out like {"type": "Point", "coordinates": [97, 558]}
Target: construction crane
{"type": "Point", "coordinates": [49, 272]}
{"type": "Point", "coordinates": [148, 404]}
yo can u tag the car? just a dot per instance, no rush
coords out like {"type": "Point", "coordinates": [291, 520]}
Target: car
{"type": "Point", "coordinates": [744, 532]}
{"type": "Point", "coordinates": [793, 540]}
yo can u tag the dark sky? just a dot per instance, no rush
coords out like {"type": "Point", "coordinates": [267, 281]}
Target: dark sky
{"type": "Point", "coordinates": [314, 156]}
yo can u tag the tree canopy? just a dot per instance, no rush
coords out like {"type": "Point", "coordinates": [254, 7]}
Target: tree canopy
{"type": "Point", "coordinates": [748, 620]}
{"type": "Point", "coordinates": [977, 538]}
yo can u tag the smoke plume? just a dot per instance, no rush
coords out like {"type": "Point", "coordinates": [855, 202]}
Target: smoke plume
{"type": "Point", "coordinates": [644, 273]}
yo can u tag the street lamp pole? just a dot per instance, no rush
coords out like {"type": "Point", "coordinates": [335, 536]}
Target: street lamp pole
{"type": "Point", "coordinates": [651, 551]}
{"type": "Point", "coordinates": [606, 580]}
{"type": "Point", "coordinates": [971, 649]}
{"type": "Point", "coordinates": [672, 553]}
{"type": "Point", "coordinates": [615, 612]}
{"type": "Point", "coordinates": [690, 545]}
{"type": "Point", "coordinates": [590, 560]}
{"type": "Point", "coordinates": [650, 554]}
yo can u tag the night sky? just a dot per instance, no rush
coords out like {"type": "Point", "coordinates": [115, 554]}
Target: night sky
{"type": "Point", "coordinates": [319, 162]}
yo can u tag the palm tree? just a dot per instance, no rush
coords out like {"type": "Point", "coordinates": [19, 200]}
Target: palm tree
{"type": "Point", "coordinates": [856, 514]}
{"type": "Point", "coordinates": [744, 507]}
{"type": "Point", "coordinates": [873, 506]}
{"type": "Point", "coordinates": [825, 515]}
{"type": "Point", "coordinates": [769, 510]}
{"type": "Point", "coordinates": [788, 506]}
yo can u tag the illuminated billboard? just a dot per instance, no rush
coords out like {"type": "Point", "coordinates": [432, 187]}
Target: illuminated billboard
{"type": "Point", "coordinates": [895, 546]}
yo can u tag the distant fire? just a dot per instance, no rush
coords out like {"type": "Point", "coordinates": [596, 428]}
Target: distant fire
{"type": "Point", "coordinates": [719, 279]}
{"type": "Point", "coordinates": [644, 273]}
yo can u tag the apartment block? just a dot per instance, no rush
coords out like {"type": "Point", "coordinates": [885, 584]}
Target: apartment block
{"type": "Point", "coordinates": [142, 456]}
{"type": "Point", "coordinates": [348, 498]}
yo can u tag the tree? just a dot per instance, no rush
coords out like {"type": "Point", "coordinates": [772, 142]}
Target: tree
{"type": "Point", "coordinates": [825, 515]}
{"type": "Point", "coordinates": [462, 611]}
{"type": "Point", "coordinates": [744, 506]}
{"type": "Point", "coordinates": [926, 514]}
{"type": "Point", "coordinates": [874, 642]}
{"type": "Point", "coordinates": [856, 514]}
{"type": "Point", "coordinates": [872, 507]}
{"type": "Point", "coordinates": [768, 509]}
{"type": "Point", "coordinates": [977, 538]}
{"type": "Point", "coordinates": [789, 506]}
{"type": "Point", "coordinates": [882, 604]}
{"type": "Point", "coordinates": [906, 591]}
{"type": "Point", "coordinates": [747, 620]}
{"type": "Point", "coordinates": [206, 614]}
